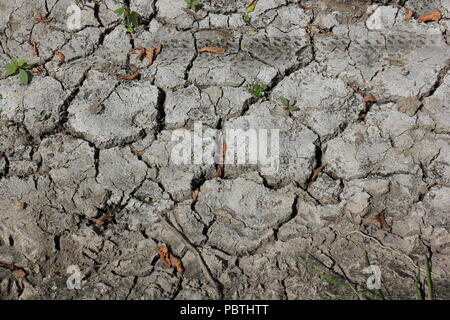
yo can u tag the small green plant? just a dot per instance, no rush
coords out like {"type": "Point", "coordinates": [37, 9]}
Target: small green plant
{"type": "Point", "coordinates": [427, 282]}
{"type": "Point", "coordinates": [248, 9]}
{"type": "Point", "coordinates": [289, 104]}
{"type": "Point", "coordinates": [130, 18]}
{"type": "Point", "coordinates": [80, 3]}
{"type": "Point", "coordinates": [337, 283]}
{"type": "Point", "coordinates": [193, 4]}
{"type": "Point", "coordinates": [41, 116]}
{"type": "Point", "coordinates": [19, 67]}
{"type": "Point", "coordinates": [257, 90]}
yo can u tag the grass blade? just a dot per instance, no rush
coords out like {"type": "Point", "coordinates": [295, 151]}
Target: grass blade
{"type": "Point", "coordinates": [429, 280]}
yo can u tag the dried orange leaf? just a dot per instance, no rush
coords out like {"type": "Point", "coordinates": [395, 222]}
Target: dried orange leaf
{"type": "Point", "coordinates": [315, 174]}
{"type": "Point", "coordinates": [19, 273]}
{"type": "Point", "coordinates": [176, 262]}
{"type": "Point", "coordinates": [195, 194]}
{"type": "Point", "coordinates": [435, 15]}
{"type": "Point", "coordinates": [60, 56]}
{"type": "Point", "coordinates": [37, 70]}
{"type": "Point", "coordinates": [211, 50]}
{"type": "Point", "coordinates": [304, 7]}
{"type": "Point", "coordinates": [150, 56]}
{"type": "Point", "coordinates": [379, 221]}
{"type": "Point", "coordinates": [141, 54]}
{"type": "Point", "coordinates": [40, 18]}
{"type": "Point", "coordinates": [409, 15]}
{"type": "Point", "coordinates": [164, 256]}
{"type": "Point", "coordinates": [158, 49]}
{"type": "Point", "coordinates": [128, 77]}
{"type": "Point", "coordinates": [369, 98]}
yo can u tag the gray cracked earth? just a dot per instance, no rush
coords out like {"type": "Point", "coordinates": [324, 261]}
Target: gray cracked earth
{"type": "Point", "coordinates": [103, 150]}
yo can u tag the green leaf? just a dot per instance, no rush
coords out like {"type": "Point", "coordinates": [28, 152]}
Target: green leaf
{"type": "Point", "coordinates": [119, 11]}
{"type": "Point", "coordinates": [23, 76]}
{"type": "Point", "coordinates": [294, 108]}
{"type": "Point", "coordinates": [130, 29]}
{"type": "Point", "coordinates": [134, 18]}
{"type": "Point", "coordinates": [247, 18]}
{"type": "Point", "coordinates": [284, 101]}
{"type": "Point", "coordinates": [21, 62]}
{"type": "Point", "coordinates": [10, 69]}
{"type": "Point", "coordinates": [292, 102]}
{"type": "Point", "coordinates": [14, 61]}
{"type": "Point", "coordinates": [263, 87]}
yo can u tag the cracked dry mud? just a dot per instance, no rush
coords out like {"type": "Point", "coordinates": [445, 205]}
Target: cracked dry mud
{"type": "Point", "coordinates": [103, 150]}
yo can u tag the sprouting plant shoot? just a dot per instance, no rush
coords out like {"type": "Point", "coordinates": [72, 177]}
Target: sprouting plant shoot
{"type": "Point", "coordinates": [193, 4]}
{"type": "Point", "coordinates": [19, 67]}
{"type": "Point", "coordinates": [80, 3]}
{"type": "Point", "coordinates": [248, 9]}
{"type": "Point", "coordinates": [41, 116]}
{"type": "Point", "coordinates": [257, 90]}
{"type": "Point", "coordinates": [130, 18]}
{"type": "Point", "coordinates": [289, 104]}
{"type": "Point", "coordinates": [427, 282]}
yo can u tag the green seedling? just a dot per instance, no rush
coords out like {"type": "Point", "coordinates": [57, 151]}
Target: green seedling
{"type": "Point", "coordinates": [130, 19]}
{"type": "Point", "coordinates": [80, 3]}
{"type": "Point", "coordinates": [335, 282]}
{"type": "Point", "coordinates": [19, 67]}
{"type": "Point", "coordinates": [257, 90]}
{"type": "Point", "coordinates": [289, 104]}
{"type": "Point", "coordinates": [41, 116]}
{"type": "Point", "coordinates": [427, 282]}
{"type": "Point", "coordinates": [193, 4]}
{"type": "Point", "coordinates": [248, 9]}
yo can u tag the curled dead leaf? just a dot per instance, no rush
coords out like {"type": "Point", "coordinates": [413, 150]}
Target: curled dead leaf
{"type": "Point", "coordinates": [169, 260]}
{"type": "Point", "coordinates": [41, 19]}
{"type": "Point", "coordinates": [158, 49]}
{"type": "Point", "coordinates": [37, 70]}
{"type": "Point", "coordinates": [102, 221]}
{"type": "Point", "coordinates": [304, 7]}
{"type": "Point", "coordinates": [152, 53]}
{"type": "Point", "coordinates": [435, 15]}
{"type": "Point", "coordinates": [19, 273]}
{"type": "Point", "coordinates": [176, 262]}
{"type": "Point", "coordinates": [379, 221]}
{"type": "Point", "coordinates": [164, 256]}
{"type": "Point", "coordinates": [315, 174]}
{"type": "Point", "coordinates": [211, 50]}
{"type": "Point", "coordinates": [60, 56]}
{"type": "Point", "coordinates": [409, 15]}
{"type": "Point", "coordinates": [141, 54]}
{"type": "Point", "coordinates": [367, 101]}
{"type": "Point", "coordinates": [150, 56]}
{"type": "Point", "coordinates": [128, 77]}
{"type": "Point", "coordinates": [369, 98]}
{"type": "Point", "coordinates": [195, 194]}
{"type": "Point", "coordinates": [15, 270]}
